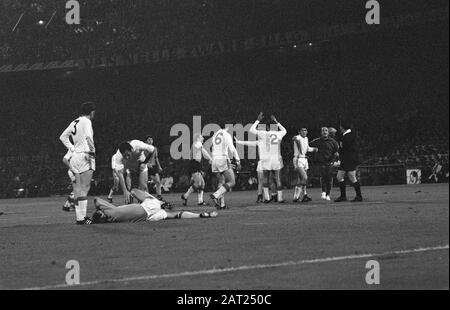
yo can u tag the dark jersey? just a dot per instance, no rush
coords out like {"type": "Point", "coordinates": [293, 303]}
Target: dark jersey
{"type": "Point", "coordinates": [349, 152]}
{"type": "Point", "coordinates": [327, 149]}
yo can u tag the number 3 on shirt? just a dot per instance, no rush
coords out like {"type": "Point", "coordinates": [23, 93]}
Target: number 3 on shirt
{"type": "Point", "coordinates": [74, 132]}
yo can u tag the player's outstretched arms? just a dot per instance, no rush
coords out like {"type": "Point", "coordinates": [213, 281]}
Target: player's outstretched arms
{"type": "Point", "coordinates": [247, 143]}
{"type": "Point", "coordinates": [190, 215]}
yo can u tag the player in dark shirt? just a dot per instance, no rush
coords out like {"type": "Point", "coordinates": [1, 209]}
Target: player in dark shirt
{"type": "Point", "coordinates": [328, 151]}
{"type": "Point", "coordinates": [349, 162]}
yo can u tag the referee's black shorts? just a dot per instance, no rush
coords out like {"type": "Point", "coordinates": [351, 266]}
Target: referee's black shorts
{"type": "Point", "coordinates": [348, 163]}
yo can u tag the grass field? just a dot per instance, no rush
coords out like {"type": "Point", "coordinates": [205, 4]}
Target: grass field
{"type": "Point", "coordinates": [319, 245]}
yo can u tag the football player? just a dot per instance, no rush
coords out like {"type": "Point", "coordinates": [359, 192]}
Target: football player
{"type": "Point", "coordinates": [301, 147]}
{"type": "Point", "coordinates": [196, 169]}
{"type": "Point", "coordinates": [132, 157]}
{"type": "Point", "coordinates": [259, 169]}
{"type": "Point", "coordinates": [154, 168]}
{"type": "Point", "coordinates": [221, 165]}
{"type": "Point", "coordinates": [148, 209]}
{"type": "Point", "coordinates": [69, 205]}
{"type": "Point", "coordinates": [269, 142]}
{"type": "Point", "coordinates": [116, 179]}
{"type": "Point", "coordinates": [83, 157]}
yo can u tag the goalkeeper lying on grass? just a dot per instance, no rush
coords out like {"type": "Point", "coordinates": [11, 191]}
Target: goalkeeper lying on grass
{"type": "Point", "coordinates": [149, 209]}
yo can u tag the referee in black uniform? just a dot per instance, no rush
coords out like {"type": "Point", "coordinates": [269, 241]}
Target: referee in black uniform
{"type": "Point", "coordinates": [349, 161]}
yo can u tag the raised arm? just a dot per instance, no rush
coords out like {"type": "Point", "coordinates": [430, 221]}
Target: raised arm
{"type": "Point", "coordinates": [283, 130]}
{"type": "Point", "coordinates": [254, 127]}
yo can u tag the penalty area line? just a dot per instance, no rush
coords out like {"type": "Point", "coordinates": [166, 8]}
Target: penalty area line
{"type": "Point", "coordinates": [242, 268]}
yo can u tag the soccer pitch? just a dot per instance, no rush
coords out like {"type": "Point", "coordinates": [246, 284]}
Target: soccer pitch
{"type": "Point", "coordinates": [317, 245]}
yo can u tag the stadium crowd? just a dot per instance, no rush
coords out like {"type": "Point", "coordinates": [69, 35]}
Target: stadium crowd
{"type": "Point", "coordinates": [133, 105]}
{"type": "Point", "coordinates": [36, 30]}
{"type": "Point", "coordinates": [386, 93]}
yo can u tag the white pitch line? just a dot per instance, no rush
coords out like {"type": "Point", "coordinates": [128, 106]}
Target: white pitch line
{"type": "Point", "coordinates": [241, 268]}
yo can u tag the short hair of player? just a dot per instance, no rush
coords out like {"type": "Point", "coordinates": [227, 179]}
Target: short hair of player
{"type": "Point", "coordinates": [125, 146]}
{"type": "Point", "coordinates": [147, 137]}
{"type": "Point", "coordinates": [87, 108]}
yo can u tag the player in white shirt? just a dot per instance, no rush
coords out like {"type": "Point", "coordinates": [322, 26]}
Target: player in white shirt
{"type": "Point", "coordinates": [301, 166]}
{"type": "Point", "coordinates": [154, 168]}
{"type": "Point", "coordinates": [83, 157]}
{"type": "Point", "coordinates": [69, 205]}
{"type": "Point", "coordinates": [222, 146]}
{"type": "Point", "coordinates": [148, 209]}
{"type": "Point", "coordinates": [196, 169]}
{"type": "Point", "coordinates": [259, 169]}
{"type": "Point", "coordinates": [116, 181]}
{"type": "Point", "coordinates": [132, 157]}
{"type": "Point", "coordinates": [269, 146]}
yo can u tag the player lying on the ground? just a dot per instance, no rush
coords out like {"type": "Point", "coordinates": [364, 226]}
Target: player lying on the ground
{"type": "Point", "coordinates": [301, 147]}
{"type": "Point", "coordinates": [196, 169]}
{"type": "Point", "coordinates": [269, 142]}
{"type": "Point", "coordinates": [149, 209]}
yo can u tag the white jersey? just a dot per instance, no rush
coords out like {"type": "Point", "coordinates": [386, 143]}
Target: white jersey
{"type": "Point", "coordinates": [82, 135]}
{"type": "Point", "coordinates": [114, 162]}
{"type": "Point", "coordinates": [223, 144]}
{"type": "Point", "coordinates": [68, 155]}
{"type": "Point", "coordinates": [269, 142]}
{"type": "Point", "coordinates": [301, 146]}
{"type": "Point", "coordinates": [139, 152]}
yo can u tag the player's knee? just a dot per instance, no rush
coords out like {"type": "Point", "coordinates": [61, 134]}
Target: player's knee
{"type": "Point", "coordinates": [352, 178]}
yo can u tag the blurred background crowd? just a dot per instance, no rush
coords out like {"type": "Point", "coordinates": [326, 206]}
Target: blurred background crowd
{"type": "Point", "coordinates": [391, 84]}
